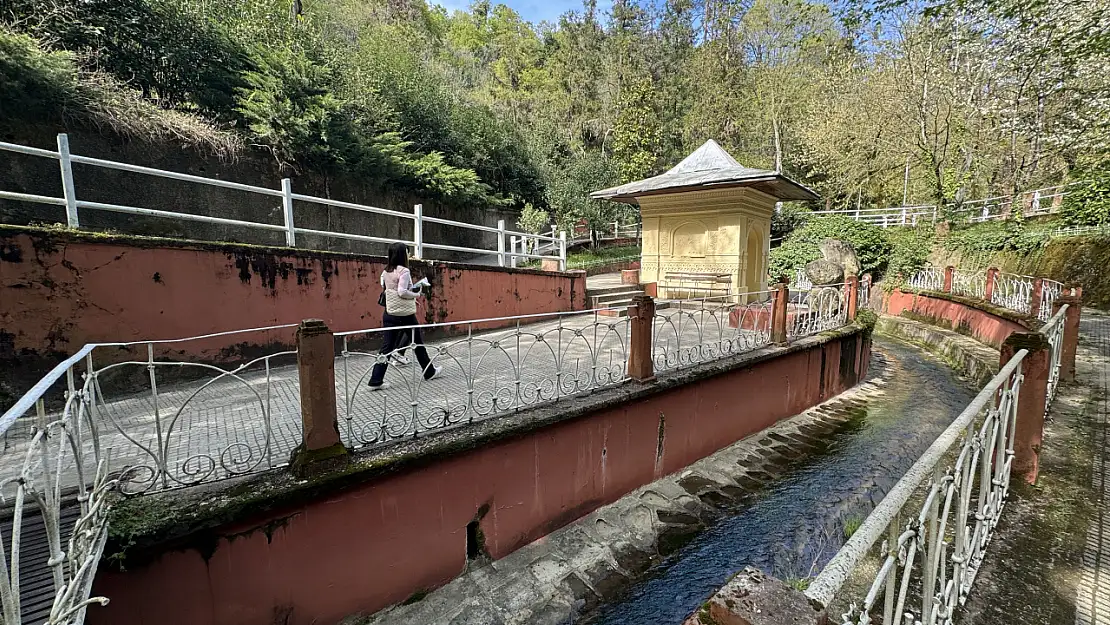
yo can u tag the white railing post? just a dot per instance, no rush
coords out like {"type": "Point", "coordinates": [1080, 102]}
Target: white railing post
{"type": "Point", "coordinates": [512, 250]}
{"type": "Point", "coordinates": [562, 250]}
{"type": "Point", "coordinates": [67, 181]}
{"type": "Point", "coordinates": [501, 242]}
{"type": "Point", "coordinates": [616, 230]}
{"type": "Point", "coordinates": [903, 216]}
{"type": "Point", "coordinates": [287, 205]}
{"type": "Point", "coordinates": [418, 231]}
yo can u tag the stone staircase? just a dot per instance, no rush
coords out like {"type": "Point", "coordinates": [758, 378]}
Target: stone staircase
{"type": "Point", "coordinates": [616, 296]}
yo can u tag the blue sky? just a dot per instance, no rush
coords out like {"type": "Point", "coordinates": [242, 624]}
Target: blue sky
{"type": "Point", "coordinates": [534, 11]}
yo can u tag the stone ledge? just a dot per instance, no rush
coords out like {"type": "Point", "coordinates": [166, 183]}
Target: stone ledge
{"type": "Point", "coordinates": [143, 527]}
{"type": "Point", "coordinates": [964, 354]}
{"type": "Point", "coordinates": [1005, 313]}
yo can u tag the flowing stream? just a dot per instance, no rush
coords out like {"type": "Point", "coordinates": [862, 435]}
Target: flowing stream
{"type": "Point", "coordinates": [796, 524]}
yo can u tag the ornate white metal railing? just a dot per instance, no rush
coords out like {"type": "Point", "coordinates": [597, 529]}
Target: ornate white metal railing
{"type": "Point", "coordinates": [801, 280]}
{"type": "Point", "coordinates": [816, 310]}
{"type": "Point", "coordinates": [928, 279]}
{"type": "Point", "coordinates": [931, 554]}
{"type": "Point", "coordinates": [533, 245]}
{"type": "Point", "coordinates": [540, 358]}
{"type": "Point", "coordinates": [969, 283]}
{"type": "Point", "coordinates": [699, 330]}
{"type": "Point", "coordinates": [1013, 291]}
{"type": "Point", "coordinates": [1050, 290]}
{"type": "Point", "coordinates": [864, 299]}
{"type": "Point", "coordinates": [192, 421]}
{"type": "Point", "coordinates": [1054, 330]}
{"type": "Point", "coordinates": [57, 486]}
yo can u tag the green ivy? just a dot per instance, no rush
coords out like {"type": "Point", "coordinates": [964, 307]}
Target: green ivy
{"type": "Point", "coordinates": [1088, 203]}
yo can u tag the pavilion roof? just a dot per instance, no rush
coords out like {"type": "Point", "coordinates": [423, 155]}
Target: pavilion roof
{"type": "Point", "coordinates": [708, 167]}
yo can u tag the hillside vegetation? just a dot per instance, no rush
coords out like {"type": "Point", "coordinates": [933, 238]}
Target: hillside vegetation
{"type": "Point", "coordinates": [482, 108]}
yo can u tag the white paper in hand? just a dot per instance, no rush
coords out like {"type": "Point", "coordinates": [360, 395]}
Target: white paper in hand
{"type": "Point", "coordinates": [423, 283]}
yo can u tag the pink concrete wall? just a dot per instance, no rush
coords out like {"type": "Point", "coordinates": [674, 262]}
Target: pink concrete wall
{"type": "Point", "coordinates": [982, 325]}
{"type": "Point", "coordinates": [58, 292]}
{"type": "Point", "coordinates": [379, 542]}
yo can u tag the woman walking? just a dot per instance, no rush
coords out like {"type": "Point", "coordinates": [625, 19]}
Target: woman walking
{"type": "Point", "coordinates": [400, 311]}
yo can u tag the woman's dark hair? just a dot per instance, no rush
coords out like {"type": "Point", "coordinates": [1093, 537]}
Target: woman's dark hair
{"type": "Point", "coordinates": [398, 256]}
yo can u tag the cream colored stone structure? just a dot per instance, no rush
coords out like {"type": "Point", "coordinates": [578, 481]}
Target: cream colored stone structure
{"type": "Point", "coordinates": [707, 223]}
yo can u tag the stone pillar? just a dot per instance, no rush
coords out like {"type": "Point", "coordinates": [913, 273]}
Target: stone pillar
{"type": "Point", "coordinates": [780, 300]}
{"type": "Point", "coordinates": [316, 373]}
{"type": "Point", "coordinates": [988, 294]}
{"type": "Point", "coordinates": [1029, 427]}
{"type": "Point", "coordinates": [949, 274]}
{"type": "Point", "coordinates": [1038, 295]}
{"type": "Point", "coordinates": [752, 598]}
{"type": "Point", "coordinates": [1071, 334]}
{"type": "Point", "coordinates": [851, 283]}
{"type": "Point", "coordinates": [641, 315]}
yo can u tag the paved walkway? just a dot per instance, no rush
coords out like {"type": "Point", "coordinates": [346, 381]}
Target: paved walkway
{"type": "Point", "coordinates": [225, 424]}
{"type": "Point", "coordinates": [1093, 600]}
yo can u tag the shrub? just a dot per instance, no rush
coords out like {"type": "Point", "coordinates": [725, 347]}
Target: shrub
{"type": "Point", "coordinates": [1088, 203]}
{"type": "Point", "coordinates": [801, 246]}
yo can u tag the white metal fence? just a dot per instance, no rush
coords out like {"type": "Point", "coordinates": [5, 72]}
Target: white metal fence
{"type": "Point", "coordinates": [1038, 202]}
{"type": "Point", "coordinates": [928, 279]}
{"type": "Point", "coordinates": [816, 310]}
{"type": "Point", "coordinates": [936, 522]}
{"type": "Point", "coordinates": [538, 358]}
{"type": "Point", "coordinates": [1013, 291]}
{"type": "Point", "coordinates": [929, 555]}
{"type": "Point", "coordinates": [1008, 290]}
{"type": "Point", "coordinates": [969, 283]}
{"type": "Point", "coordinates": [699, 330]}
{"type": "Point", "coordinates": [544, 246]}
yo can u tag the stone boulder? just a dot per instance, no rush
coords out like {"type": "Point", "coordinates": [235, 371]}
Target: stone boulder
{"type": "Point", "coordinates": [822, 272]}
{"type": "Point", "coordinates": [841, 253]}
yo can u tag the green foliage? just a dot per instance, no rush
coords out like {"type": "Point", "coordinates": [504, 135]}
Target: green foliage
{"type": "Point", "coordinates": [801, 246]}
{"type": "Point", "coordinates": [1089, 203]}
{"type": "Point", "coordinates": [909, 250]}
{"type": "Point", "coordinates": [533, 220]}
{"type": "Point", "coordinates": [788, 219]}
{"type": "Point", "coordinates": [481, 107]}
{"type": "Point", "coordinates": [995, 236]}
{"type": "Point", "coordinates": [33, 78]}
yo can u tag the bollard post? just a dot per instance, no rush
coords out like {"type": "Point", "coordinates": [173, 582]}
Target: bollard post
{"type": "Point", "coordinates": [988, 292]}
{"type": "Point", "coordinates": [949, 274]}
{"type": "Point", "coordinates": [754, 598]}
{"type": "Point", "coordinates": [320, 447]}
{"type": "Point", "coordinates": [641, 315]}
{"type": "Point", "coordinates": [1071, 334]}
{"type": "Point", "coordinates": [851, 283]}
{"type": "Point", "coordinates": [1036, 297]}
{"type": "Point", "coordinates": [780, 299]}
{"type": "Point", "coordinates": [1029, 423]}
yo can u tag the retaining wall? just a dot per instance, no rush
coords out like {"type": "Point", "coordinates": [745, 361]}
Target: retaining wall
{"type": "Point", "coordinates": [277, 550]}
{"type": "Point", "coordinates": [986, 323]}
{"type": "Point", "coordinates": [61, 290]}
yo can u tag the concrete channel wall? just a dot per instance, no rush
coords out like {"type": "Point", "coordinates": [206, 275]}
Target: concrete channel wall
{"type": "Point", "coordinates": [975, 318]}
{"type": "Point", "coordinates": [410, 517]}
{"type": "Point", "coordinates": [62, 289]}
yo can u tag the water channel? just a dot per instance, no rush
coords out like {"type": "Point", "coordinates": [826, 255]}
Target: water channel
{"type": "Point", "coordinates": [797, 523]}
